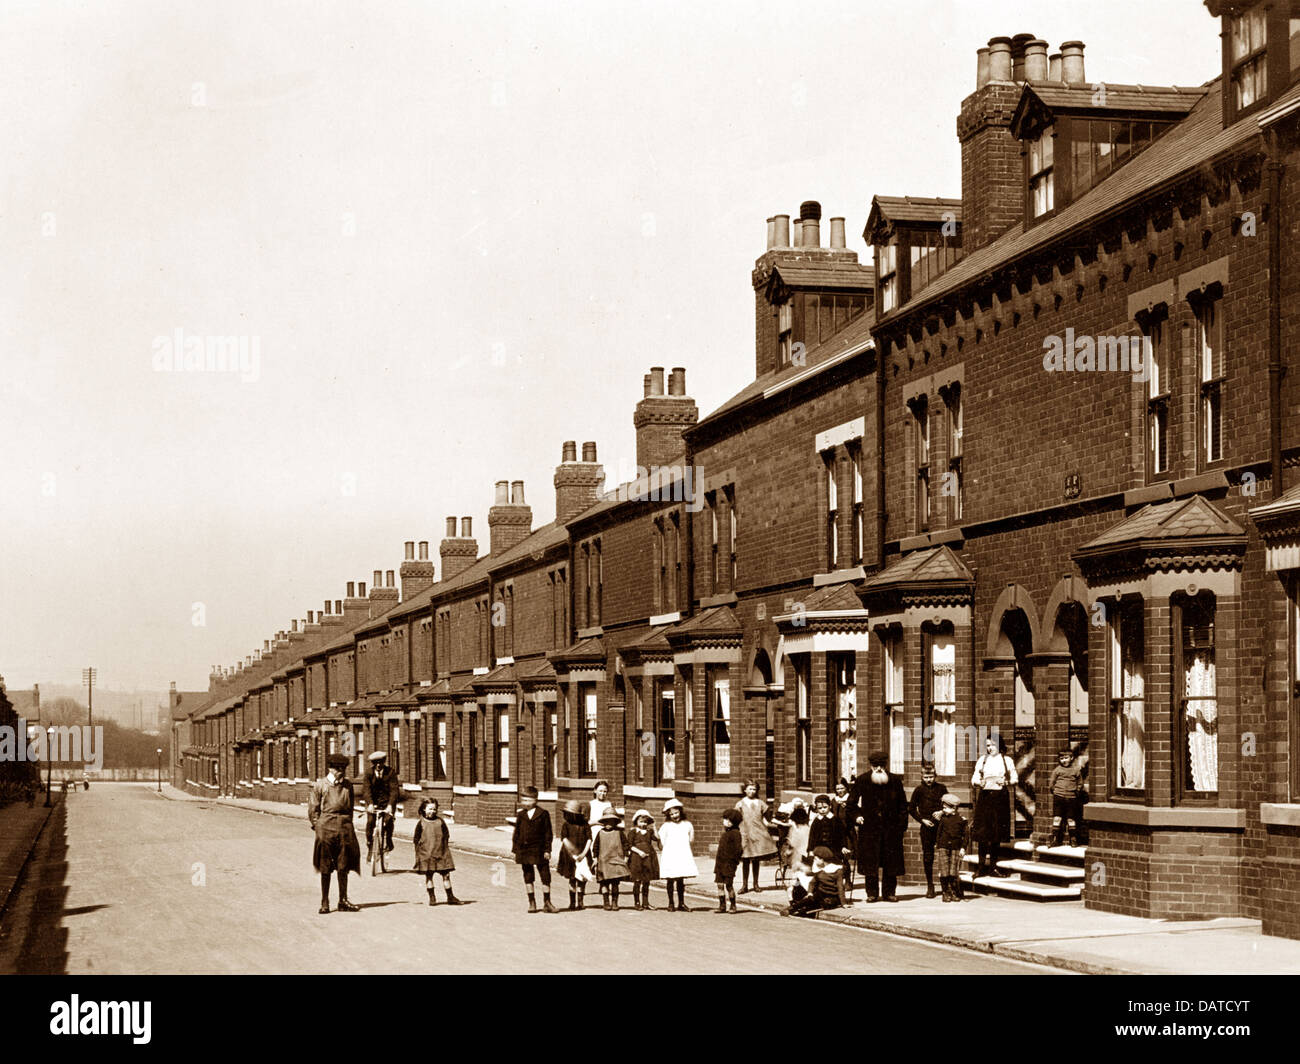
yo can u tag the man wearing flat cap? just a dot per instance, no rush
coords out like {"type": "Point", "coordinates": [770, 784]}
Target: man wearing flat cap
{"type": "Point", "coordinates": [330, 812]}
{"type": "Point", "coordinates": [878, 808]}
{"type": "Point", "coordinates": [381, 791]}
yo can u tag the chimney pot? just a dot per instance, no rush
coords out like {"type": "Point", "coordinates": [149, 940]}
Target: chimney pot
{"type": "Point", "coordinates": [503, 493]}
{"type": "Point", "coordinates": [677, 381]}
{"type": "Point", "coordinates": [266, 644]}
{"type": "Point", "coordinates": [1054, 67]}
{"type": "Point", "coordinates": [1072, 63]}
{"type": "Point", "coordinates": [410, 550]}
{"type": "Point", "coordinates": [378, 579]}
{"type": "Point", "coordinates": [424, 550]}
{"type": "Point", "coordinates": [646, 383]}
{"type": "Point", "coordinates": [352, 589]}
{"type": "Point", "coordinates": [516, 493]}
{"type": "Point", "coordinates": [388, 582]}
{"type": "Point", "coordinates": [361, 589]}
{"type": "Point", "coordinates": [569, 451]}
{"type": "Point", "coordinates": [798, 233]}
{"type": "Point", "coordinates": [451, 528]}
{"type": "Point", "coordinates": [327, 605]}
{"type": "Point", "coordinates": [837, 233]}
{"type": "Point", "coordinates": [466, 524]}
{"type": "Point", "coordinates": [1018, 43]}
{"type": "Point", "coordinates": [1036, 60]}
{"type": "Point", "coordinates": [294, 625]}
{"type": "Point", "coordinates": [771, 232]}
{"type": "Point", "coordinates": [781, 231]}
{"type": "Point", "coordinates": [1000, 59]}
{"type": "Point", "coordinates": [810, 211]}
{"type": "Point", "coordinates": [311, 616]}
{"type": "Point", "coordinates": [338, 606]}
{"type": "Point", "coordinates": [589, 451]}
{"type": "Point", "coordinates": [981, 67]}
{"type": "Point", "coordinates": [656, 380]}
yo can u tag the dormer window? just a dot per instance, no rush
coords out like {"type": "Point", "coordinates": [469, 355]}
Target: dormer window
{"type": "Point", "coordinates": [1247, 43]}
{"type": "Point", "coordinates": [1042, 177]}
{"type": "Point", "coordinates": [784, 328]}
{"type": "Point", "coordinates": [887, 276]}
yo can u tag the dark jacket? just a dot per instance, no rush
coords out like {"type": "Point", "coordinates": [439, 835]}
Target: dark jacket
{"type": "Point", "coordinates": [883, 811]}
{"type": "Point", "coordinates": [927, 799]}
{"type": "Point", "coordinates": [382, 792]}
{"type": "Point", "coordinates": [952, 832]}
{"type": "Point", "coordinates": [828, 831]}
{"type": "Point", "coordinates": [730, 850]}
{"type": "Point", "coordinates": [532, 839]}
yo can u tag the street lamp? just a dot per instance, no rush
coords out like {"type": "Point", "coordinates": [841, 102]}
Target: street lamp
{"type": "Point", "coordinates": [88, 678]}
{"type": "Point", "coordinates": [49, 763]}
{"type": "Point", "coordinates": [160, 770]}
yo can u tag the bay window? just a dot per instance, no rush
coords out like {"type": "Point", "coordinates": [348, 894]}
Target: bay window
{"type": "Point", "coordinates": [1199, 705]}
{"type": "Point", "coordinates": [845, 705]}
{"type": "Point", "coordinates": [719, 720]}
{"type": "Point", "coordinates": [1127, 697]}
{"type": "Point", "coordinates": [941, 690]}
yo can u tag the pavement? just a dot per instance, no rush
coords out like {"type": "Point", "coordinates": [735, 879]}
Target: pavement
{"type": "Point", "coordinates": [123, 881]}
{"type": "Point", "coordinates": [20, 826]}
{"type": "Point", "coordinates": [1063, 935]}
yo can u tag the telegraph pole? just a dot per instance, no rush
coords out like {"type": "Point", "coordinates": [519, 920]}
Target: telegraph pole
{"type": "Point", "coordinates": [88, 678]}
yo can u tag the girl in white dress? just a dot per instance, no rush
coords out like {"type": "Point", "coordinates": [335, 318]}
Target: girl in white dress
{"type": "Point", "coordinates": [677, 861]}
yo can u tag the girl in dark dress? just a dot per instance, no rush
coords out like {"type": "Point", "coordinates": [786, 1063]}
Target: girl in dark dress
{"type": "Point", "coordinates": [433, 849]}
{"type": "Point", "coordinates": [642, 861]}
{"type": "Point", "coordinates": [575, 841]}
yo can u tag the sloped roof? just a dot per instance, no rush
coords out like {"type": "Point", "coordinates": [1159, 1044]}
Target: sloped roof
{"type": "Point", "coordinates": [801, 275]}
{"type": "Point", "coordinates": [534, 671]}
{"type": "Point", "coordinates": [1192, 519]}
{"type": "Point", "coordinates": [935, 565]}
{"type": "Point", "coordinates": [590, 649]}
{"type": "Point", "coordinates": [920, 209]}
{"type": "Point", "coordinates": [502, 675]}
{"type": "Point", "coordinates": [1191, 143]}
{"type": "Point", "coordinates": [187, 702]}
{"type": "Point", "coordinates": [1170, 101]}
{"type": "Point", "coordinates": [717, 622]}
{"type": "Point", "coordinates": [1285, 503]}
{"type": "Point", "coordinates": [533, 545]}
{"type": "Point", "coordinates": [832, 598]}
{"type": "Point", "coordinates": [851, 340]}
{"type": "Point", "coordinates": [469, 575]}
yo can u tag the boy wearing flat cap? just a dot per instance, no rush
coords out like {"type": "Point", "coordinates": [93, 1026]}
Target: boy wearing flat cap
{"type": "Point", "coordinates": [532, 847]}
{"type": "Point", "coordinates": [329, 810]}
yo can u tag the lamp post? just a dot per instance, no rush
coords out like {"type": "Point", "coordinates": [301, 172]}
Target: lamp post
{"type": "Point", "coordinates": [88, 678]}
{"type": "Point", "coordinates": [160, 770]}
{"type": "Point", "coordinates": [49, 763]}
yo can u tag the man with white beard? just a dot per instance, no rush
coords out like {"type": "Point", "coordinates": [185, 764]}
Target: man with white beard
{"type": "Point", "coordinates": [878, 806]}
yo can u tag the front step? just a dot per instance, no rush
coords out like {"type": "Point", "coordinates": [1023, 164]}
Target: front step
{"type": "Point", "coordinates": [1023, 889]}
{"type": "Point", "coordinates": [1058, 879]}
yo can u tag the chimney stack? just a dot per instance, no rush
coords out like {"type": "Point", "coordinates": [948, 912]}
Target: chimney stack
{"type": "Point", "coordinates": [458, 553]}
{"type": "Point", "coordinates": [992, 171]}
{"type": "Point", "coordinates": [1072, 63]}
{"type": "Point", "coordinates": [356, 607]}
{"type": "Point", "coordinates": [383, 597]}
{"type": "Point", "coordinates": [417, 575]}
{"type": "Point", "coordinates": [577, 484]}
{"type": "Point", "coordinates": [328, 619]}
{"type": "Point", "coordinates": [510, 520]}
{"type": "Point", "coordinates": [659, 421]}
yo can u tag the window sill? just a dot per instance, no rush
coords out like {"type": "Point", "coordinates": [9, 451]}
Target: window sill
{"type": "Point", "coordinates": [839, 576]}
{"type": "Point", "coordinates": [1176, 818]}
{"type": "Point", "coordinates": [1154, 492]}
{"type": "Point", "coordinates": [1211, 481]}
{"type": "Point", "coordinates": [710, 787]}
{"type": "Point", "coordinates": [645, 792]}
{"type": "Point", "coordinates": [1280, 814]}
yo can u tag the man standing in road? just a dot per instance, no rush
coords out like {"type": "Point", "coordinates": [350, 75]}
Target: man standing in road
{"type": "Point", "coordinates": [330, 812]}
{"type": "Point", "coordinates": [878, 807]}
{"type": "Point", "coordinates": [382, 790]}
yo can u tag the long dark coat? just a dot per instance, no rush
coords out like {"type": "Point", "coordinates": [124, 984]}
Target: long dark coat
{"type": "Point", "coordinates": [329, 810]}
{"type": "Point", "coordinates": [532, 838]}
{"type": "Point", "coordinates": [883, 809]}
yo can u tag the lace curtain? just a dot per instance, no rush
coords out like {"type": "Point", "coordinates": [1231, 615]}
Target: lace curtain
{"type": "Point", "coordinates": [943, 691]}
{"type": "Point", "coordinates": [1132, 731]}
{"type": "Point", "coordinates": [848, 737]}
{"type": "Point", "coordinates": [1202, 722]}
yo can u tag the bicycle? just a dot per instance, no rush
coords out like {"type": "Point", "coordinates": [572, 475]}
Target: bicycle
{"type": "Point", "coordinates": [379, 843]}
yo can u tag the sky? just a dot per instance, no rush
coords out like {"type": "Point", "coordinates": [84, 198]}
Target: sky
{"type": "Point", "coordinates": [449, 236]}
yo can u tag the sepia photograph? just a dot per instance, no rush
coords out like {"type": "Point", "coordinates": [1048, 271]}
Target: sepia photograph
{"type": "Point", "coordinates": [522, 488]}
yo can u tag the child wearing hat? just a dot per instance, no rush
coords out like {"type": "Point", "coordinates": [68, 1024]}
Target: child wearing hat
{"type": "Point", "coordinates": [818, 888]}
{"type": "Point", "coordinates": [531, 845]}
{"type": "Point", "coordinates": [609, 851]}
{"type": "Point", "coordinates": [575, 841]}
{"type": "Point", "coordinates": [433, 849]}
{"type": "Point", "coordinates": [731, 851]}
{"type": "Point", "coordinates": [951, 834]}
{"type": "Point", "coordinates": [1066, 785]}
{"type": "Point", "coordinates": [643, 862]}
{"type": "Point", "coordinates": [677, 862]}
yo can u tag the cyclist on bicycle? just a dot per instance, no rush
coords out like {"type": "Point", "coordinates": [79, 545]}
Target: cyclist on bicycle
{"type": "Point", "coordinates": [382, 791]}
